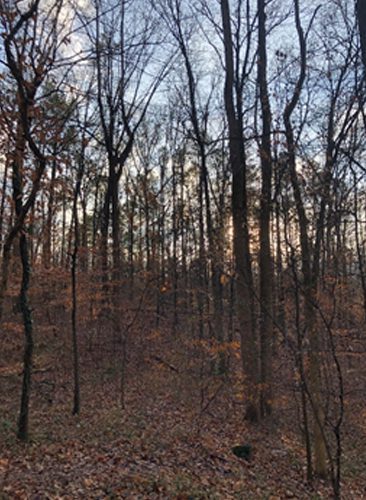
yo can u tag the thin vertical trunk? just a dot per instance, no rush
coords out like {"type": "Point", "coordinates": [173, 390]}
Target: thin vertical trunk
{"type": "Point", "coordinates": [104, 231]}
{"type": "Point", "coordinates": [75, 344]}
{"type": "Point", "coordinates": [310, 267]}
{"type": "Point", "coordinates": [183, 241]}
{"type": "Point", "coordinates": [23, 421]}
{"type": "Point", "coordinates": [74, 264]}
{"type": "Point", "coordinates": [116, 228]}
{"type": "Point", "coordinates": [49, 218]}
{"type": "Point", "coordinates": [131, 244]}
{"type": "Point", "coordinates": [63, 230]}
{"type": "Point", "coordinates": [148, 230]}
{"type": "Point", "coordinates": [175, 247]}
{"type": "Point", "coordinates": [5, 267]}
{"type": "Point", "coordinates": [141, 238]}
{"type": "Point", "coordinates": [202, 283]}
{"type": "Point", "coordinates": [33, 243]}
{"type": "Point", "coordinates": [302, 372]}
{"type": "Point", "coordinates": [95, 223]}
{"type": "Point", "coordinates": [281, 315]}
{"type": "Point", "coordinates": [3, 198]}
{"type": "Point", "coordinates": [161, 244]}
{"type": "Point", "coordinates": [265, 262]}
{"type": "Point", "coordinates": [84, 260]}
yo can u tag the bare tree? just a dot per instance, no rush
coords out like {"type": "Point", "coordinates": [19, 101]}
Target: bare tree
{"type": "Point", "coordinates": [235, 77]}
{"type": "Point", "coordinates": [29, 68]}
{"type": "Point", "coordinates": [265, 260]}
{"type": "Point", "coordinates": [123, 39]}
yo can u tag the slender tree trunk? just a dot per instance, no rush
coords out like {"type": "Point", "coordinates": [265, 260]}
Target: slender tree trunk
{"type": "Point", "coordinates": [281, 301]}
{"type": "Point", "coordinates": [185, 289]}
{"type": "Point", "coordinates": [265, 261]}
{"type": "Point", "coordinates": [49, 219]}
{"type": "Point", "coordinates": [174, 270]}
{"type": "Point", "coordinates": [3, 198]}
{"type": "Point", "coordinates": [302, 373]}
{"type": "Point", "coordinates": [116, 236]}
{"type": "Point", "coordinates": [361, 19]}
{"type": "Point", "coordinates": [75, 344]}
{"type": "Point", "coordinates": [74, 309]}
{"type": "Point", "coordinates": [95, 224]}
{"type": "Point", "coordinates": [23, 421]}
{"type": "Point", "coordinates": [5, 268]}
{"type": "Point", "coordinates": [131, 244]}
{"type": "Point", "coordinates": [310, 267]}
{"type": "Point", "coordinates": [84, 260]}
{"type": "Point", "coordinates": [104, 231]}
{"type": "Point", "coordinates": [63, 231]}
{"type": "Point", "coordinates": [161, 244]}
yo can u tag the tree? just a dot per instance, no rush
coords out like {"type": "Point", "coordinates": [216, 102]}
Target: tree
{"type": "Point", "coordinates": [234, 86]}
{"type": "Point", "coordinates": [28, 79]}
{"type": "Point", "coordinates": [338, 120]}
{"type": "Point", "coordinates": [265, 258]}
{"type": "Point", "coordinates": [198, 110]}
{"type": "Point", "coordinates": [123, 39]}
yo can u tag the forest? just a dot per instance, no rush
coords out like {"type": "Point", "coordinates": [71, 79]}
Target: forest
{"type": "Point", "coordinates": [182, 249]}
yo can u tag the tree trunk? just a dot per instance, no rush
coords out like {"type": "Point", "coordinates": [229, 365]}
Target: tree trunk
{"type": "Point", "coordinates": [361, 19]}
{"type": "Point", "coordinates": [49, 219]}
{"type": "Point", "coordinates": [310, 269]}
{"type": "Point", "coordinates": [23, 421]}
{"type": "Point", "coordinates": [265, 262]}
{"type": "Point", "coordinates": [17, 174]}
{"type": "Point", "coordinates": [115, 228]}
{"type": "Point", "coordinates": [74, 264]}
{"type": "Point", "coordinates": [3, 198]}
{"type": "Point", "coordinates": [244, 279]}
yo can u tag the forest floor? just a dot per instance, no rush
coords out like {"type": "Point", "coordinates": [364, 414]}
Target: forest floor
{"type": "Point", "coordinates": [173, 438]}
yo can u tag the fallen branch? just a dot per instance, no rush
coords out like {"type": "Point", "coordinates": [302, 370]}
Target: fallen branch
{"type": "Point", "coordinates": [165, 363]}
